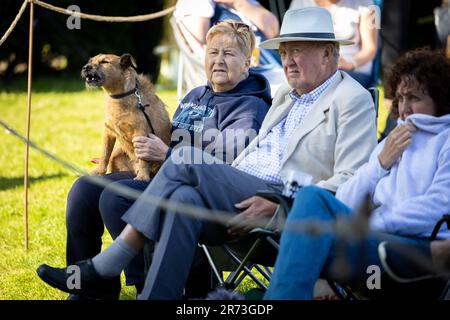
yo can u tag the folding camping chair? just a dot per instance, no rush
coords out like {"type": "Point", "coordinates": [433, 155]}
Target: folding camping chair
{"type": "Point", "coordinates": [191, 72]}
{"type": "Point", "coordinates": [255, 251]}
{"type": "Point", "coordinates": [435, 284]}
{"type": "Point", "coordinates": [398, 283]}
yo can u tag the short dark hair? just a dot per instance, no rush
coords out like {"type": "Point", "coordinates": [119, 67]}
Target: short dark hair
{"type": "Point", "coordinates": [431, 69]}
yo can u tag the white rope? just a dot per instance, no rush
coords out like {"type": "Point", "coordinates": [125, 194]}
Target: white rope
{"type": "Point", "coordinates": [94, 17]}
{"type": "Point", "coordinates": [138, 18]}
{"type": "Point", "coordinates": [14, 23]}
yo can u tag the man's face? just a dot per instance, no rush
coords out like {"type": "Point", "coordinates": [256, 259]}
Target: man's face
{"type": "Point", "coordinates": [305, 64]}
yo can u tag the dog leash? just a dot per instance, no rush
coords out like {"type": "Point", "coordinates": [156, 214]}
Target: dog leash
{"type": "Point", "coordinates": [142, 106]}
{"type": "Point", "coordinates": [139, 104]}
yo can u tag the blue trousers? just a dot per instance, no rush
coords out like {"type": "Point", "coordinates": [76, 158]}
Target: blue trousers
{"type": "Point", "coordinates": [89, 208]}
{"type": "Point", "coordinates": [303, 258]}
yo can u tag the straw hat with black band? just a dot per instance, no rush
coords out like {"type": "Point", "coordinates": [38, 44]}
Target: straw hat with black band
{"type": "Point", "coordinates": [305, 24]}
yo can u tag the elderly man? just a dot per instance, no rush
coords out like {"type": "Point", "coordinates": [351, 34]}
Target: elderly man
{"type": "Point", "coordinates": [323, 123]}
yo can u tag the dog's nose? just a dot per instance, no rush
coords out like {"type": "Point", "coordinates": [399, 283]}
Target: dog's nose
{"type": "Point", "coordinates": [87, 67]}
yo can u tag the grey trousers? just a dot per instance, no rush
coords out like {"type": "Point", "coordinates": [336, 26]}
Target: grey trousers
{"type": "Point", "coordinates": [214, 186]}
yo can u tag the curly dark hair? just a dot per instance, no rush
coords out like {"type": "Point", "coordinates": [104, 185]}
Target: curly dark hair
{"type": "Point", "coordinates": [431, 69]}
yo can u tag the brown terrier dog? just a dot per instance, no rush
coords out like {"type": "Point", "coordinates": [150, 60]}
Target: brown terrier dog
{"type": "Point", "coordinates": [132, 109]}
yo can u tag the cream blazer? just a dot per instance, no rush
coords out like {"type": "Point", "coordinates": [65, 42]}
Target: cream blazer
{"type": "Point", "coordinates": [336, 137]}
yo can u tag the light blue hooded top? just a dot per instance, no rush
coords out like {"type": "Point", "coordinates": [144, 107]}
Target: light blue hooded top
{"type": "Point", "coordinates": [414, 194]}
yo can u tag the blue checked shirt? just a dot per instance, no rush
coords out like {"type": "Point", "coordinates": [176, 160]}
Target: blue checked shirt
{"type": "Point", "coordinates": [265, 161]}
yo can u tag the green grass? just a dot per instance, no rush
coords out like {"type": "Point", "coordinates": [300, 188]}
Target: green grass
{"type": "Point", "coordinates": [67, 121]}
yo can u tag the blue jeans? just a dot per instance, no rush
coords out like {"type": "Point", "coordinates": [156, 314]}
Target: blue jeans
{"type": "Point", "coordinates": [304, 258]}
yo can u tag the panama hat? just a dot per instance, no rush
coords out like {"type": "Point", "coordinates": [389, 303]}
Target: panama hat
{"type": "Point", "coordinates": [306, 24]}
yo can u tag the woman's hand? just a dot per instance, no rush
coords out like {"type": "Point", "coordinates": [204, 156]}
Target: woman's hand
{"type": "Point", "coordinates": [253, 208]}
{"type": "Point", "coordinates": [150, 148]}
{"type": "Point", "coordinates": [396, 142]}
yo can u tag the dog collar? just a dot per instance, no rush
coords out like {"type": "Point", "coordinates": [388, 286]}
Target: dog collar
{"type": "Point", "coordinates": [123, 95]}
{"type": "Point", "coordinates": [139, 104]}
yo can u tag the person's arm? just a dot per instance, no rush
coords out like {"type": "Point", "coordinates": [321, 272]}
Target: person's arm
{"type": "Point", "coordinates": [262, 18]}
{"type": "Point", "coordinates": [369, 42]}
{"type": "Point", "coordinates": [193, 19]}
{"type": "Point", "coordinates": [354, 191]}
{"type": "Point", "coordinates": [194, 30]}
{"type": "Point", "coordinates": [362, 185]}
{"type": "Point", "coordinates": [420, 214]}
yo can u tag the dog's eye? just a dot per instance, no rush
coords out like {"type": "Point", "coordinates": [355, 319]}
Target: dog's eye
{"type": "Point", "coordinates": [104, 61]}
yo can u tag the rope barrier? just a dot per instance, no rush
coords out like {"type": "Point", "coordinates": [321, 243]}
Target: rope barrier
{"type": "Point", "coordinates": [14, 23]}
{"type": "Point", "coordinates": [138, 18]}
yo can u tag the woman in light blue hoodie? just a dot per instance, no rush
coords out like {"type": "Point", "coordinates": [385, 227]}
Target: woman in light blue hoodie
{"type": "Point", "coordinates": [406, 184]}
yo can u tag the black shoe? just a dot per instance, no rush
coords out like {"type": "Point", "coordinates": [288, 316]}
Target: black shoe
{"type": "Point", "coordinates": [139, 287]}
{"type": "Point", "coordinates": [91, 285]}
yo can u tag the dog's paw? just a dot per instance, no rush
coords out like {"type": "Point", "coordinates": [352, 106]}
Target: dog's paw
{"type": "Point", "coordinates": [98, 172]}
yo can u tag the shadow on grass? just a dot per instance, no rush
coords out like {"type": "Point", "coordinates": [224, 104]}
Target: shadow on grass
{"type": "Point", "coordinates": [12, 182]}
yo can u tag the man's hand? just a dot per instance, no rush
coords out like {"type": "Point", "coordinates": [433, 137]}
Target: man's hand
{"type": "Point", "coordinates": [254, 207]}
{"type": "Point", "coordinates": [396, 142]}
{"type": "Point", "coordinates": [150, 148]}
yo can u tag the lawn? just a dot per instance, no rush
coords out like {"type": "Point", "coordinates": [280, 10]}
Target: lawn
{"type": "Point", "coordinates": [67, 120]}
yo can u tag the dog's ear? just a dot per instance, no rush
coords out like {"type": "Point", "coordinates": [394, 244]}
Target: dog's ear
{"type": "Point", "coordinates": [127, 60]}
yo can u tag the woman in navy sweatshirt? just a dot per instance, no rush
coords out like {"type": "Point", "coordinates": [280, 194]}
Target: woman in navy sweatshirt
{"type": "Point", "coordinates": [234, 101]}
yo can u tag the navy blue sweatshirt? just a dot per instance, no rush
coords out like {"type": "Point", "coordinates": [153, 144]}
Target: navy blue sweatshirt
{"type": "Point", "coordinates": [208, 120]}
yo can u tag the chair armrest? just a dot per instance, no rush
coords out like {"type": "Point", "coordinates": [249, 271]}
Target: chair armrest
{"type": "Point", "coordinates": [445, 218]}
{"type": "Point", "coordinates": [263, 231]}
